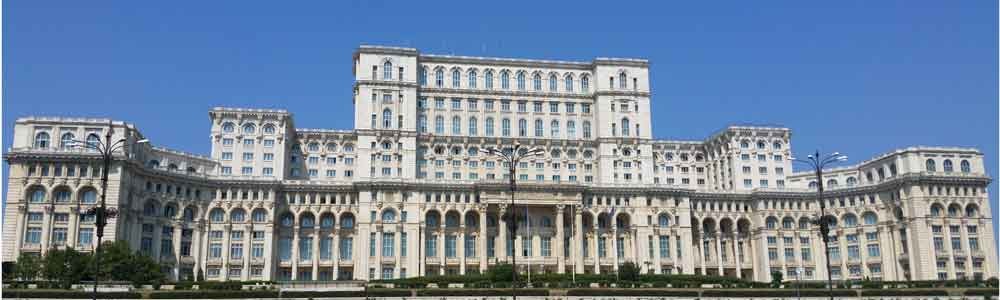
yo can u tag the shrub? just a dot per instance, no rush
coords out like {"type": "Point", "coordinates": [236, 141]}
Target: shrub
{"type": "Point", "coordinates": [13, 294]}
{"type": "Point", "coordinates": [901, 292]}
{"type": "Point", "coordinates": [777, 293]}
{"type": "Point", "coordinates": [632, 293]}
{"type": "Point", "coordinates": [481, 292]}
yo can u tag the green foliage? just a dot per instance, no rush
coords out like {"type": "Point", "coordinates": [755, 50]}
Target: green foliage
{"type": "Point", "coordinates": [66, 267]}
{"type": "Point", "coordinates": [117, 261]}
{"type": "Point", "coordinates": [59, 294]}
{"type": "Point", "coordinates": [906, 292]}
{"type": "Point", "coordinates": [632, 293]}
{"type": "Point", "coordinates": [774, 293]}
{"type": "Point", "coordinates": [28, 267]}
{"type": "Point", "coordinates": [628, 271]}
{"type": "Point", "coordinates": [145, 270]}
{"type": "Point", "coordinates": [776, 279]}
{"type": "Point", "coordinates": [481, 292]}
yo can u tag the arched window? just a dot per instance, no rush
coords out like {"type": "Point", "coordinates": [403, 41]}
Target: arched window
{"type": "Point", "coordinates": [439, 125]}
{"type": "Point", "coordinates": [776, 146]}
{"type": "Point", "coordinates": [812, 185]}
{"type": "Point", "coordinates": [432, 220]}
{"type": "Point", "coordinates": [422, 123]}
{"type": "Point", "coordinates": [62, 195]}
{"type": "Point", "coordinates": [88, 196]}
{"type": "Point", "coordinates": [850, 220]}
{"type": "Point", "coordinates": [313, 147]}
{"type": "Point", "coordinates": [930, 165]}
{"type": "Point", "coordinates": [472, 79]}
{"type": "Point", "coordinates": [216, 215]}
{"type": "Point", "coordinates": [832, 183]}
{"type": "Point", "coordinates": [505, 80]}
{"type": "Point", "coordinates": [505, 127]}
{"type": "Point", "coordinates": [188, 214]}
{"type": "Point", "coordinates": [947, 166]}
{"type": "Point", "coordinates": [456, 78]}
{"type": "Point", "coordinates": [553, 83]}
{"type": "Point", "coordinates": [869, 218]}
{"type": "Point", "coordinates": [788, 223]}
{"type": "Point", "coordinates": [249, 128]}
{"type": "Point", "coordinates": [228, 127]}
{"type": "Point", "coordinates": [745, 144]}
{"type": "Point", "coordinates": [625, 126]}
{"type": "Point", "coordinates": [287, 220]}
{"type": "Point", "coordinates": [489, 126]}
{"type": "Point", "coordinates": [971, 210]}
{"type": "Point", "coordinates": [423, 76]}
{"type": "Point", "coordinates": [571, 129]}
{"type": "Point", "coordinates": [554, 128]}
{"type": "Point", "coordinates": [803, 223]}
{"type": "Point", "coordinates": [37, 195]}
{"type": "Point", "coordinates": [622, 79]}
{"type": "Point", "coordinates": [953, 210]}
{"type": "Point", "coordinates": [539, 128]}
{"type": "Point", "coordinates": [771, 223]}
{"type": "Point", "coordinates": [473, 126]}
{"type": "Point", "coordinates": [347, 222]}
{"type": "Point", "coordinates": [387, 70]}
{"type": "Point", "coordinates": [456, 125]}
{"type": "Point", "coordinates": [522, 127]}
{"type": "Point", "coordinates": [42, 140]}
{"type": "Point", "coordinates": [936, 210]}
{"type": "Point", "coordinates": [386, 118]}
{"type": "Point", "coordinates": [851, 181]}
{"type": "Point", "coordinates": [269, 129]}
{"type": "Point", "coordinates": [259, 216]}
{"type": "Point", "coordinates": [537, 82]}
{"type": "Point", "coordinates": [520, 81]}
{"type": "Point", "coordinates": [586, 129]}
{"type": "Point", "coordinates": [439, 77]}
{"type": "Point", "coordinates": [237, 215]}
{"type": "Point", "coordinates": [569, 83]}
{"type": "Point", "coordinates": [326, 221]}
{"type": "Point", "coordinates": [389, 216]}
{"type": "Point", "coordinates": [150, 209]}
{"type": "Point", "coordinates": [585, 83]}
{"type": "Point", "coordinates": [966, 168]}
{"type": "Point", "coordinates": [892, 170]}
{"type": "Point", "coordinates": [488, 80]}
{"type": "Point", "coordinates": [67, 140]}
{"type": "Point", "coordinates": [473, 151]}
{"type": "Point", "coordinates": [663, 220]}
{"type": "Point", "coordinates": [307, 221]}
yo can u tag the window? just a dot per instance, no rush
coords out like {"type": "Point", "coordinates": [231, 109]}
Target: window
{"type": "Point", "coordinates": [472, 79]}
{"type": "Point", "coordinates": [537, 82]}
{"type": "Point", "coordinates": [439, 77]}
{"type": "Point", "coordinates": [346, 245]}
{"type": "Point", "coordinates": [456, 78]}
{"type": "Point", "coordinates": [505, 80]}
{"type": "Point", "coordinates": [539, 128]}
{"type": "Point", "coordinates": [520, 81]}
{"type": "Point", "coordinates": [388, 244]}
{"type": "Point", "coordinates": [423, 76]}
{"type": "Point", "coordinates": [456, 125]}
{"type": "Point", "coordinates": [586, 129]}
{"type": "Point", "coordinates": [489, 126]}
{"type": "Point", "coordinates": [947, 166]}
{"type": "Point", "coordinates": [42, 140]}
{"type": "Point", "coordinates": [622, 79]}
{"type": "Point", "coordinates": [386, 118]}
{"type": "Point", "coordinates": [439, 125]}
{"type": "Point", "coordinates": [473, 130]}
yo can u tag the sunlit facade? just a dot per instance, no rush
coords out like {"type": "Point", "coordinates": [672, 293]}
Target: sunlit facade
{"type": "Point", "coordinates": [407, 192]}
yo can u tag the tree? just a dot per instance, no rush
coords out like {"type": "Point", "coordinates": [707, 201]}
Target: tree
{"type": "Point", "coordinates": [145, 270]}
{"type": "Point", "coordinates": [116, 261]}
{"type": "Point", "coordinates": [503, 272]}
{"type": "Point", "coordinates": [27, 267]}
{"type": "Point", "coordinates": [628, 271]}
{"type": "Point", "coordinates": [776, 279]}
{"type": "Point", "coordinates": [66, 267]}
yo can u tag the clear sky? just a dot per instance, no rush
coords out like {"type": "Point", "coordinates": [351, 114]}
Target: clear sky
{"type": "Point", "coordinates": [859, 77]}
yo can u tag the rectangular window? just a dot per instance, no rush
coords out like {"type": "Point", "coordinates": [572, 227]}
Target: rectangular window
{"type": "Point", "coordinates": [388, 244]}
{"type": "Point", "coordinates": [345, 247]}
{"type": "Point", "coordinates": [431, 246]}
{"type": "Point", "coordinates": [449, 246]}
{"type": "Point", "coordinates": [470, 246]}
{"type": "Point", "coordinates": [546, 246]}
{"type": "Point", "coordinates": [664, 246]}
{"type": "Point", "coordinates": [402, 238]}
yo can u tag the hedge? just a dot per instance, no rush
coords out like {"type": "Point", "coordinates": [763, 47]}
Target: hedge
{"type": "Point", "coordinates": [903, 292]}
{"type": "Point", "coordinates": [981, 292]}
{"type": "Point", "coordinates": [208, 294]}
{"type": "Point", "coordinates": [68, 294]}
{"type": "Point", "coordinates": [632, 292]}
{"type": "Point", "coordinates": [482, 292]}
{"type": "Point", "coordinates": [785, 293]}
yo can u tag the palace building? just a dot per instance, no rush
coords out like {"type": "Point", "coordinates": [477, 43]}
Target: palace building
{"type": "Point", "coordinates": [408, 192]}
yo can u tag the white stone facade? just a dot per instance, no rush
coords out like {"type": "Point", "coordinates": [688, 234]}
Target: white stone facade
{"type": "Point", "coordinates": [407, 193]}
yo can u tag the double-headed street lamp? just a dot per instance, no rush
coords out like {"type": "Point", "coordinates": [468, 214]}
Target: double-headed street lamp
{"type": "Point", "coordinates": [513, 156]}
{"type": "Point", "coordinates": [818, 162]}
{"type": "Point", "coordinates": [101, 213]}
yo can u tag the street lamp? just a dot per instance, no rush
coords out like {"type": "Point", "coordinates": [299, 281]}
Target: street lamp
{"type": "Point", "coordinates": [818, 162]}
{"type": "Point", "coordinates": [101, 213]}
{"type": "Point", "coordinates": [513, 157]}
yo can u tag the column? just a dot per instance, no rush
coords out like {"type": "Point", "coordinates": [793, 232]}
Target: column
{"type": "Point", "coordinates": [736, 258]}
{"type": "Point", "coordinates": [577, 249]}
{"type": "Point", "coordinates": [460, 247]}
{"type": "Point", "coordinates": [655, 243]}
{"type": "Point", "coordinates": [295, 250]}
{"type": "Point", "coordinates": [247, 251]}
{"type": "Point", "coordinates": [482, 253]}
{"type": "Point", "coordinates": [560, 235]}
{"type": "Point", "coordinates": [701, 253]}
{"type": "Point", "coordinates": [177, 251]}
{"type": "Point", "coordinates": [315, 251]}
{"type": "Point", "coordinates": [441, 241]}
{"type": "Point", "coordinates": [226, 231]}
{"type": "Point", "coordinates": [718, 251]}
{"type": "Point", "coordinates": [269, 257]}
{"type": "Point", "coordinates": [614, 245]}
{"type": "Point", "coordinates": [196, 249]}
{"type": "Point", "coordinates": [502, 232]}
{"type": "Point", "coordinates": [596, 255]}
{"type": "Point", "coordinates": [336, 253]}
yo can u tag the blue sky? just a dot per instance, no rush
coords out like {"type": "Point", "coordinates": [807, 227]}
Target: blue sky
{"type": "Point", "coordinates": [859, 77]}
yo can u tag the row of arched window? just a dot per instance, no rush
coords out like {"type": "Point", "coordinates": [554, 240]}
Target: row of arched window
{"type": "Point", "coordinates": [948, 166]}
{"type": "Point", "coordinates": [489, 127]}
{"type": "Point", "coordinates": [761, 145]}
{"type": "Point", "coordinates": [248, 128]}
{"type": "Point", "coordinates": [68, 140]}
{"type": "Point", "coordinates": [848, 220]}
{"type": "Point", "coordinates": [471, 78]}
{"type": "Point", "coordinates": [314, 147]}
{"type": "Point", "coordinates": [61, 194]}
{"type": "Point", "coordinates": [474, 151]}
{"type": "Point", "coordinates": [326, 220]}
{"type": "Point", "coordinates": [955, 210]}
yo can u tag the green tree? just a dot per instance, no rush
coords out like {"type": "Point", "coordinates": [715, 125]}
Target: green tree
{"type": "Point", "coordinates": [65, 267]}
{"type": "Point", "coordinates": [503, 272]}
{"type": "Point", "coordinates": [116, 261]}
{"type": "Point", "coordinates": [776, 279]}
{"type": "Point", "coordinates": [28, 266]}
{"type": "Point", "coordinates": [145, 270]}
{"type": "Point", "coordinates": [628, 271]}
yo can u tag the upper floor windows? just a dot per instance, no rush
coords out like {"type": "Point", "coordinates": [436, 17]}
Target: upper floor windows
{"type": "Point", "coordinates": [472, 79]}
{"type": "Point", "coordinates": [439, 77]}
{"type": "Point", "coordinates": [930, 165]}
{"type": "Point", "coordinates": [569, 82]}
{"type": "Point", "coordinates": [249, 128]}
{"type": "Point", "coordinates": [488, 78]}
{"type": "Point", "coordinates": [520, 81]}
{"type": "Point", "coordinates": [947, 166]}
{"type": "Point", "coordinates": [67, 140]}
{"type": "Point", "coordinates": [966, 168]}
{"type": "Point", "coordinates": [228, 127]}
{"type": "Point", "coordinates": [422, 78]}
{"type": "Point", "coordinates": [456, 78]}
{"type": "Point", "coordinates": [537, 82]}
{"type": "Point", "coordinates": [387, 70]}
{"type": "Point", "coordinates": [622, 80]}
{"type": "Point", "coordinates": [505, 80]}
{"type": "Point", "coordinates": [584, 83]}
{"type": "Point", "coordinates": [553, 83]}
{"type": "Point", "coordinates": [42, 140]}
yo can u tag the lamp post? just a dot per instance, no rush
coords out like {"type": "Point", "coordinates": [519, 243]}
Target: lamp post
{"type": "Point", "coordinates": [818, 162]}
{"type": "Point", "coordinates": [101, 213]}
{"type": "Point", "coordinates": [513, 157]}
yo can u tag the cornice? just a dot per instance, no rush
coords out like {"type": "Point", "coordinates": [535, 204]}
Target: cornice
{"type": "Point", "coordinates": [620, 93]}
{"type": "Point", "coordinates": [385, 83]}
{"type": "Point", "coordinates": [506, 62]}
